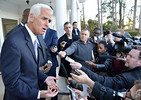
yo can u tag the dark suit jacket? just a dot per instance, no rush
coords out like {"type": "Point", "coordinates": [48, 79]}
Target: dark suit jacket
{"type": "Point", "coordinates": [73, 31]}
{"type": "Point", "coordinates": [14, 29]}
{"type": "Point", "coordinates": [121, 81]}
{"type": "Point", "coordinates": [63, 61]}
{"type": "Point", "coordinates": [51, 39]}
{"type": "Point", "coordinates": [43, 51]}
{"type": "Point", "coordinates": [20, 70]}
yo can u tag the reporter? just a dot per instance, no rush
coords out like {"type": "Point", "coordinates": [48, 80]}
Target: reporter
{"type": "Point", "coordinates": [123, 80]}
{"type": "Point", "coordinates": [101, 92]}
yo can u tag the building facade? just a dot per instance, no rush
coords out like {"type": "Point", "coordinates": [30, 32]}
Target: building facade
{"type": "Point", "coordinates": [64, 10]}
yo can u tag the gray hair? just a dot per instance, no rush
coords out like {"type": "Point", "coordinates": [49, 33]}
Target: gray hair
{"type": "Point", "coordinates": [36, 9]}
{"type": "Point", "coordinates": [120, 30]}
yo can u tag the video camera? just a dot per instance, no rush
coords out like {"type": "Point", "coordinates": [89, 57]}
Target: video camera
{"type": "Point", "coordinates": [106, 32]}
{"type": "Point", "coordinates": [127, 38]}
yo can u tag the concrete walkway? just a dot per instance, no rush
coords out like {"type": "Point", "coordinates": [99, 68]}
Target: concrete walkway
{"type": "Point", "coordinates": [1, 88]}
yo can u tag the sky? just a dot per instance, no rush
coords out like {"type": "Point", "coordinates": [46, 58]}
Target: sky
{"type": "Point", "coordinates": [90, 7]}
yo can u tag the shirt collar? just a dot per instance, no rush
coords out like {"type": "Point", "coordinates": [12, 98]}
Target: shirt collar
{"type": "Point", "coordinates": [21, 23]}
{"type": "Point", "coordinates": [32, 35]}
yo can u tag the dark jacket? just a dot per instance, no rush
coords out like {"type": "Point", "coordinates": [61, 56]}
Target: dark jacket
{"type": "Point", "coordinates": [118, 82]}
{"type": "Point", "coordinates": [101, 92]}
{"type": "Point", "coordinates": [51, 39]}
{"type": "Point", "coordinates": [103, 64]}
{"type": "Point", "coordinates": [73, 32]}
{"type": "Point", "coordinates": [20, 70]}
{"type": "Point", "coordinates": [69, 42]}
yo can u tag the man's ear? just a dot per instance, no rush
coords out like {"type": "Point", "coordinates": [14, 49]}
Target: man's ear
{"type": "Point", "coordinates": [139, 62]}
{"type": "Point", "coordinates": [31, 17]}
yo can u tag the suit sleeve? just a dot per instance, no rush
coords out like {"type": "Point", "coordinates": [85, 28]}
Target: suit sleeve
{"type": "Point", "coordinates": [71, 49]}
{"type": "Point", "coordinates": [117, 83]}
{"type": "Point", "coordinates": [54, 42]}
{"type": "Point", "coordinates": [11, 72]}
{"type": "Point", "coordinates": [101, 92]}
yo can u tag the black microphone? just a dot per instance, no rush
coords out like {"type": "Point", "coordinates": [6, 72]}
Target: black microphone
{"type": "Point", "coordinates": [118, 35]}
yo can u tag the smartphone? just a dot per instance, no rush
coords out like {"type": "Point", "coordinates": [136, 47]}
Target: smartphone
{"type": "Point", "coordinates": [75, 71]}
{"type": "Point", "coordinates": [69, 59]}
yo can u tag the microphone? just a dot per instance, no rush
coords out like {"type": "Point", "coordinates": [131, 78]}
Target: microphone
{"type": "Point", "coordinates": [118, 35]}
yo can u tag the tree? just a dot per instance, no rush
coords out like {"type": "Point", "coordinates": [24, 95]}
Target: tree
{"type": "Point", "coordinates": [101, 19]}
{"type": "Point", "coordinates": [91, 25]}
{"type": "Point", "coordinates": [134, 17]}
{"type": "Point", "coordinates": [98, 14]}
{"type": "Point", "coordinates": [115, 12]}
{"type": "Point", "coordinates": [120, 13]}
{"type": "Point", "coordinates": [140, 20]}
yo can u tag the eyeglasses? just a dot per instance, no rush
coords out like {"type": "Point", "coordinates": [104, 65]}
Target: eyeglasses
{"type": "Point", "coordinates": [96, 33]}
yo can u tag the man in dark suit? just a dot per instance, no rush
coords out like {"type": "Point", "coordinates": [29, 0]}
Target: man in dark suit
{"type": "Point", "coordinates": [19, 59]}
{"type": "Point", "coordinates": [45, 61]}
{"type": "Point", "coordinates": [75, 29]}
{"type": "Point", "coordinates": [51, 41]}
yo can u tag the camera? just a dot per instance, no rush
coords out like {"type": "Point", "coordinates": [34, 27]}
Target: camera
{"type": "Point", "coordinates": [106, 32]}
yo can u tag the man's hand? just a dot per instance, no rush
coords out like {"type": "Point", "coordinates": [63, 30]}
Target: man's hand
{"type": "Point", "coordinates": [80, 95]}
{"type": "Point", "coordinates": [110, 37]}
{"type": "Point", "coordinates": [48, 93]}
{"type": "Point", "coordinates": [45, 68]}
{"type": "Point", "coordinates": [83, 78]}
{"type": "Point", "coordinates": [62, 54]}
{"type": "Point", "coordinates": [53, 49]}
{"type": "Point", "coordinates": [50, 81]}
{"type": "Point", "coordinates": [89, 90]}
{"type": "Point", "coordinates": [42, 68]}
{"type": "Point", "coordinates": [90, 63]}
{"type": "Point", "coordinates": [75, 65]}
{"type": "Point", "coordinates": [62, 44]}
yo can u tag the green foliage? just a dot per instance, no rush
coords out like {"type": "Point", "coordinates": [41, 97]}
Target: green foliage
{"type": "Point", "coordinates": [107, 25]}
{"type": "Point", "coordinates": [133, 33]}
{"type": "Point", "coordinates": [83, 25]}
{"type": "Point", "coordinates": [113, 28]}
{"type": "Point", "coordinates": [91, 24]}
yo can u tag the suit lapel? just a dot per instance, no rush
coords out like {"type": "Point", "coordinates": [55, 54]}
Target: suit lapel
{"type": "Point", "coordinates": [42, 45]}
{"type": "Point", "coordinates": [29, 43]}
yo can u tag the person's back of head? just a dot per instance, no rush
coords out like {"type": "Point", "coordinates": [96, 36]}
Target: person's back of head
{"type": "Point", "coordinates": [120, 31]}
{"type": "Point", "coordinates": [25, 15]}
